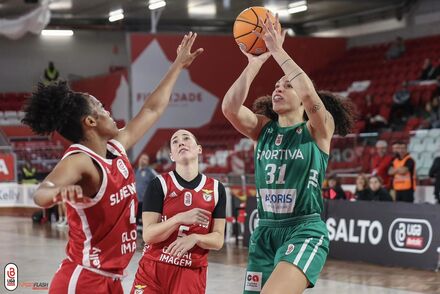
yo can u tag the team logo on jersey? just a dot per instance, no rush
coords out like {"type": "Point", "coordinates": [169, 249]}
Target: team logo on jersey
{"type": "Point", "coordinates": [207, 194]}
{"type": "Point", "coordinates": [290, 249]}
{"type": "Point", "coordinates": [278, 140]}
{"type": "Point", "coordinates": [172, 194]}
{"type": "Point", "coordinates": [299, 130]}
{"type": "Point", "coordinates": [122, 168]}
{"type": "Point", "coordinates": [207, 197]}
{"type": "Point", "coordinates": [139, 289]}
{"type": "Point", "coordinates": [187, 199]}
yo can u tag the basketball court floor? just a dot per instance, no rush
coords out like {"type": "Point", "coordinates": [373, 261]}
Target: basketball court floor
{"type": "Point", "coordinates": [38, 249]}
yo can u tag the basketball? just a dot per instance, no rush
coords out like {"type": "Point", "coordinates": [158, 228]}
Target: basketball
{"type": "Point", "coordinates": [248, 21]}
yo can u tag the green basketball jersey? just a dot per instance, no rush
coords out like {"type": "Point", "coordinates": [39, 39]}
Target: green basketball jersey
{"type": "Point", "coordinates": [289, 171]}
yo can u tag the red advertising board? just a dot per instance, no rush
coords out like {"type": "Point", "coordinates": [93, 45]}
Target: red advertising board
{"type": "Point", "coordinates": [7, 167]}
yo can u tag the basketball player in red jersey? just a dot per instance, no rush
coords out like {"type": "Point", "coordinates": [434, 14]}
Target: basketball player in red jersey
{"type": "Point", "coordinates": [95, 177]}
{"type": "Point", "coordinates": [184, 218]}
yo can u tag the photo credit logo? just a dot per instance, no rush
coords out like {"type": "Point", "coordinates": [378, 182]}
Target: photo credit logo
{"type": "Point", "coordinates": [35, 285]}
{"type": "Point", "coordinates": [11, 277]}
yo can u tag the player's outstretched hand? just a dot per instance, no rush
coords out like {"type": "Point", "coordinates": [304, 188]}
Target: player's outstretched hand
{"type": "Point", "coordinates": [262, 58]}
{"type": "Point", "coordinates": [184, 56]}
{"type": "Point", "coordinates": [195, 216]}
{"type": "Point", "coordinates": [271, 35]}
{"type": "Point", "coordinates": [71, 193]}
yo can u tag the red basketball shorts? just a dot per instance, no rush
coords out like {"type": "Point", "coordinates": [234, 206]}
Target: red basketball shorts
{"type": "Point", "coordinates": [74, 279]}
{"type": "Point", "coordinates": [161, 278]}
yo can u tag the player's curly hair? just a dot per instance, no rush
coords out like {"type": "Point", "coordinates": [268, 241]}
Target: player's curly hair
{"type": "Point", "coordinates": [263, 105]}
{"type": "Point", "coordinates": [342, 110]}
{"type": "Point", "coordinates": [55, 107]}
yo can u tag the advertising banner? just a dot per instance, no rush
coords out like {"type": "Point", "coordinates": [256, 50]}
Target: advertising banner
{"type": "Point", "coordinates": [15, 195]}
{"type": "Point", "coordinates": [392, 234]}
{"type": "Point", "coordinates": [7, 168]}
{"type": "Point", "coordinates": [396, 234]}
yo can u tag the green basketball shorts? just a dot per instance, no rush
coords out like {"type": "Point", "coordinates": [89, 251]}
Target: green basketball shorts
{"type": "Point", "coordinates": [302, 241]}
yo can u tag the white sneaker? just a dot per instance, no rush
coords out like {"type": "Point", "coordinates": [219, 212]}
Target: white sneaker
{"type": "Point", "coordinates": [63, 223]}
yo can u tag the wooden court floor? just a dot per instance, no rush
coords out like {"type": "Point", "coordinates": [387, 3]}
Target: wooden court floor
{"type": "Point", "coordinates": [38, 249]}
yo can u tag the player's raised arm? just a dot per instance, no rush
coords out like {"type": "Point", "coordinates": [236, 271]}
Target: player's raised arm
{"type": "Point", "coordinates": [156, 103]}
{"type": "Point", "coordinates": [320, 119]}
{"type": "Point", "coordinates": [241, 117]}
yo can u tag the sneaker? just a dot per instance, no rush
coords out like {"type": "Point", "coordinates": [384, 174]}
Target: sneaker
{"type": "Point", "coordinates": [62, 224]}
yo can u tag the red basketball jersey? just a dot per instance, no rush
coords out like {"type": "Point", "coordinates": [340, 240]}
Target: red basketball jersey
{"type": "Point", "coordinates": [179, 199]}
{"type": "Point", "coordinates": [102, 234]}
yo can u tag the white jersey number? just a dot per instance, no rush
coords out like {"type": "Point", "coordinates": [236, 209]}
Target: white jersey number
{"type": "Point", "coordinates": [271, 170]}
{"type": "Point", "coordinates": [132, 212]}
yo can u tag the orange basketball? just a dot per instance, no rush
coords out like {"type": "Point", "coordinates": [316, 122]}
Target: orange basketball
{"type": "Point", "coordinates": [248, 21]}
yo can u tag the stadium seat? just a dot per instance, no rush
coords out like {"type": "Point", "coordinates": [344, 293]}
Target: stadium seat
{"type": "Point", "coordinates": [433, 146]}
{"type": "Point", "coordinates": [434, 133]}
{"type": "Point", "coordinates": [415, 145]}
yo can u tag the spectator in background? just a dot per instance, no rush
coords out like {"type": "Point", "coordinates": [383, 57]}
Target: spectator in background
{"type": "Point", "coordinates": [427, 70]}
{"type": "Point", "coordinates": [377, 192]}
{"type": "Point", "coordinates": [434, 114]}
{"type": "Point", "coordinates": [163, 157]}
{"type": "Point", "coordinates": [403, 171]}
{"type": "Point", "coordinates": [361, 191]}
{"type": "Point", "coordinates": [334, 190]}
{"type": "Point", "coordinates": [434, 74]}
{"type": "Point", "coordinates": [401, 107]}
{"type": "Point", "coordinates": [373, 119]}
{"type": "Point", "coordinates": [144, 175]}
{"type": "Point", "coordinates": [425, 114]}
{"type": "Point", "coordinates": [434, 172]}
{"type": "Point", "coordinates": [51, 74]}
{"type": "Point", "coordinates": [28, 173]}
{"type": "Point", "coordinates": [396, 49]}
{"type": "Point", "coordinates": [381, 162]}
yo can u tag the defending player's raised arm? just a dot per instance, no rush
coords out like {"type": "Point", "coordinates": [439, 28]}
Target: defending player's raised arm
{"type": "Point", "coordinates": [320, 119]}
{"type": "Point", "coordinates": [241, 117]}
{"type": "Point", "coordinates": [62, 183]}
{"type": "Point", "coordinates": [156, 103]}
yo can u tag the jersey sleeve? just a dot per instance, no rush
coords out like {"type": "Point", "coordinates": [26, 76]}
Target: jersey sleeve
{"type": "Point", "coordinates": [220, 208]}
{"type": "Point", "coordinates": [153, 197]}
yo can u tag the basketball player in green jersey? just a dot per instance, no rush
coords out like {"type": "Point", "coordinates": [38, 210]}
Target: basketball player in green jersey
{"type": "Point", "coordinates": [292, 131]}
